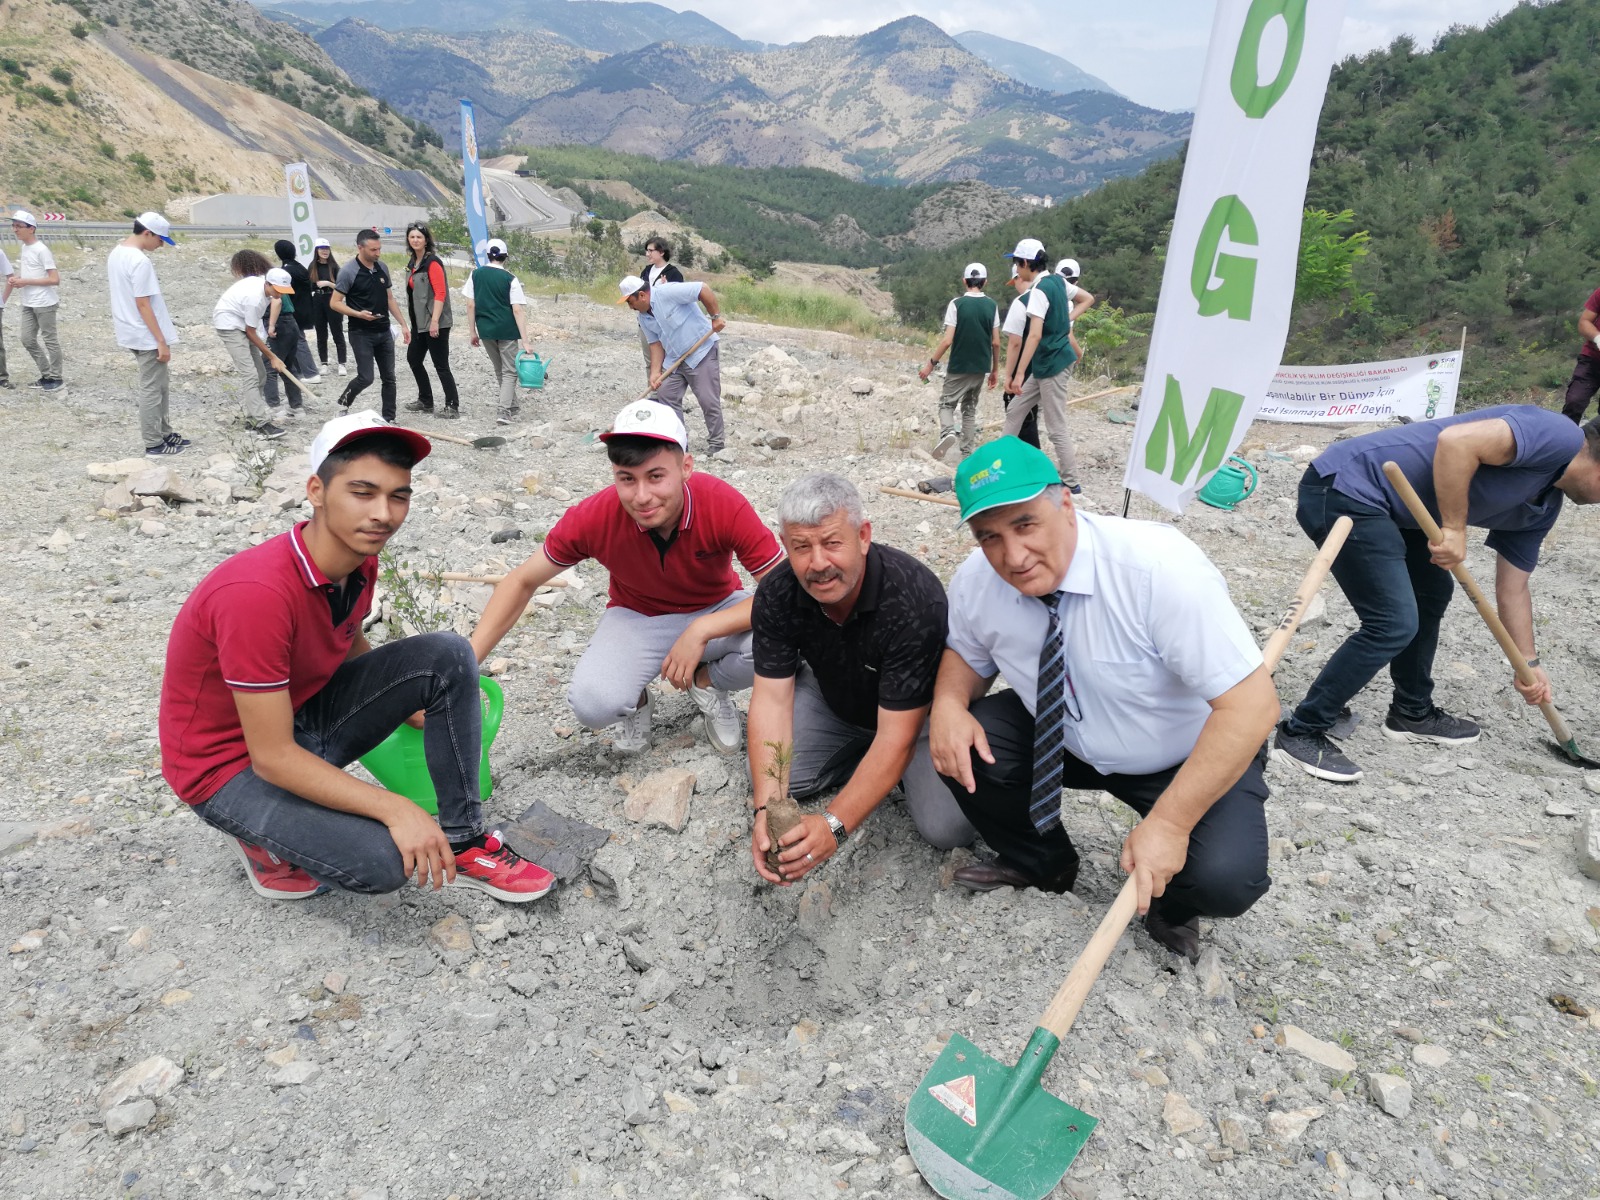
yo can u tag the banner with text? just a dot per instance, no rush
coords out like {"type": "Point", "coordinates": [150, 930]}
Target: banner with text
{"type": "Point", "coordinates": [1420, 388]}
{"type": "Point", "coordinates": [302, 216]}
{"type": "Point", "coordinates": [1223, 315]}
{"type": "Point", "coordinates": [472, 185]}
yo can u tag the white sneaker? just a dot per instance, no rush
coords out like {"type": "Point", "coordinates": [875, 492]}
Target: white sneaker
{"type": "Point", "coordinates": [632, 733]}
{"type": "Point", "coordinates": [342, 371]}
{"type": "Point", "coordinates": [723, 729]}
{"type": "Point", "coordinates": [311, 378]}
{"type": "Point", "coordinates": [946, 444]}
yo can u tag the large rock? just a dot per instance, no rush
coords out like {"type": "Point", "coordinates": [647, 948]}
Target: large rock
{"type": "Point", "coordinates": [125, 1118]}
{"type": "Point", "coordinates": [1390, 1093]}
{"type": "Point", "coordinates": [661, 798]}
{"type": "Point", "coordinates": [163, 482]}
{"type": "Point", "coordinates": [112, 472]}
{"type": "Point", "coordinates": [1589, 844]}
{"type": "Point", "coordinates": [152, 1078]}
{"type": "Point", "coordinates": [1327, 1054]}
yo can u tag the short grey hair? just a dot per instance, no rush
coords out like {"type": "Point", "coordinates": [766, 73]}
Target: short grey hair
{"type": "Point", "coordinates": [812, 499]}
{"type": "Point", "coordinates": [1053, 493]}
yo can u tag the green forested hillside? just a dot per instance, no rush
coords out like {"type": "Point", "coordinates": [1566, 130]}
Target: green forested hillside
{"type": "Point", "coordinates": [760, 214]}
{"type": "Point", "coordinates": [1476, 168]}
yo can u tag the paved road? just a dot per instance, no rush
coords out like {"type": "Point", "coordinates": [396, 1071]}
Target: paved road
{"type": "Point", "coordinates": [524, 204]}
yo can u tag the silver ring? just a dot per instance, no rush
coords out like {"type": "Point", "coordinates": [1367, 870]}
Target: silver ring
{"type": "Point", "coordinates": [809, 858]}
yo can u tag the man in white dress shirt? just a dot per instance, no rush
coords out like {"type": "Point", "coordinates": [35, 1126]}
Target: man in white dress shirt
{"type": "Point", "coordinates": [1120, 638]}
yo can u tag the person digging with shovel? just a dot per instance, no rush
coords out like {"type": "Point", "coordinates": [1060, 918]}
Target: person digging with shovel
{"type": "Point", "coordinates": [1505, 469]}
{"type": "Point", "coordinates": [1131, 672]}
{"type": "Point", "coordinates": [271, 688]}
{"type": "Point", "coordinates": [676, 329]}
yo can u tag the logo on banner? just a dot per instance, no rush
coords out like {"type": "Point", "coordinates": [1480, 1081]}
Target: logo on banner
{"type": "Point", "coordinates": [297, 183]}
{"type": "Point", "coordinates": [470, 142]}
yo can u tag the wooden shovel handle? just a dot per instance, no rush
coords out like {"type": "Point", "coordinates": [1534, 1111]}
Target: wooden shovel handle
{"type": "Point", "coordinates": [1491, 618]}
{"type": "Point", "coordinates": [304, 390]}
{"type": "Point", "coordinates": [1068, 1001]}
{"type": "Point", "coordinates": [433, 435]}
{"type": "Point", "coordinates": [681, 359]}
{"type": "Point", "coordinates": [934, 498]}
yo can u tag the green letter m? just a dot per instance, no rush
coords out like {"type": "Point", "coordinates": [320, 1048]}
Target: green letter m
{"type": "Point", "coordinates": [1210, 441]}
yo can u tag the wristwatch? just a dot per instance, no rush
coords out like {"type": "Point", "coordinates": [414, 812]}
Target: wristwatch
{"type": "Point", "coordinates": [839, 831]}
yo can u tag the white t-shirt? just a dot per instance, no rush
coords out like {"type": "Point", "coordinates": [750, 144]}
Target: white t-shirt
{"type": "Point", "coordinates": [1016, 322]}
{"type": "Point", "coordinates": [1151, 635]}
{"type": "Point", "coordinates": [518, 296]}
{"type": "Point", "coordinates": [5, 273]}
{"type": "Point", "coordinates": [243, 306]}
{"type": "Point", "coordinates": [950, 312]}
{"type": "Point", "coordinates": [130, 274]}
{"type": "Point", "coordinates": [35, 262]}
{"type": "Point", "coordinates": [1039, 303]}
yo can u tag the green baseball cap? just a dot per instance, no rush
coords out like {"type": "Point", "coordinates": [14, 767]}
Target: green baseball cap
{"type": "Point", "coordinates": [1004, 471]}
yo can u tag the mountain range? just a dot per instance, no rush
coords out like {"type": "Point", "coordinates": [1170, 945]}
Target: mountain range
{"type": "Point", "coordinates": [1031, 65]}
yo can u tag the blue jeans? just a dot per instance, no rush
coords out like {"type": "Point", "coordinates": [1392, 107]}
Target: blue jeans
{"type": "Point", "coordinates": [373, 345]}
{"type": "Point", "coordinates": [1400, 596]}
{"type": "Point", "coordinates": [364, 702]}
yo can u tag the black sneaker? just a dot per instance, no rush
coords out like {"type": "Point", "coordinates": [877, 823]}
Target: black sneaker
{"type": "Point", "coordinates": [164, 448]}
{"type": "Point", "coordinates": [1438, 727]}
{"type": "Point", "coordinates": [51, 385]}
{"type": "Point", "coordinates": [1315, 754]}
{"type": "Point", "coordinates": [346, 397]}
{"type": "Point", "coordinates": [6, 385]}
{"type": "Point", "coordinates": [450, 413]}
{"type": "Point", "coordinates": [176, 439]}
{"type": "Point", "coordinates": [38, 384]}
{"type": "Point", "coordinates": [268, 430]}
{"type": "Point", "coordinates": [419, 406]}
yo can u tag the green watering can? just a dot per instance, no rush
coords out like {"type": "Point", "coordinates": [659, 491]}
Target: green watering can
{"type": "Point", "coordinates": [531, 369]}
{"type": "Point", "coordinates": [1230, 485]}
{"type": "Point", "coordinates": [399, 764]}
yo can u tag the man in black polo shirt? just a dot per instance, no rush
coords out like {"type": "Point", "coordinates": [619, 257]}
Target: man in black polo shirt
{"type": "Point", "coordinates": [362, 293]}
{"type": "Point", "coordinates": [848, 637]}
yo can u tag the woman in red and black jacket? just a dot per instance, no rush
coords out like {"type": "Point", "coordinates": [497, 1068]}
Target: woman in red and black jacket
{"type": "Point", "coordinates": [428, 303]}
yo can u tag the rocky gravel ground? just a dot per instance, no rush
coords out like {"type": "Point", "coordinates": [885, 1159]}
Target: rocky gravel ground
{"type": "Point", "coordinates": [1383, 1023]}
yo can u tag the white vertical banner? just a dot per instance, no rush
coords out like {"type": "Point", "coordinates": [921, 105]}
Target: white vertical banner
{"type": "Point", "coordinates": [302, 217]}
{"type": "Point", "coordinates": [1223, 316]}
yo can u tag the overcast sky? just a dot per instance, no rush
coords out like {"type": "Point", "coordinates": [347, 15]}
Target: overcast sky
{"type": "Point", "coordinates": [1151, 51]}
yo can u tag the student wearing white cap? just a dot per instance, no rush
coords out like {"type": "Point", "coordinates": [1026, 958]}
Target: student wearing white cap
{"type": "Point", "coordinates": [972, 336]}
{"type": "Point", "coordinates": [667, 536]}
{"type": "Point", "coordinates": [240, 319]}
{"type": "Point", "coordinates": [37, 286]}
{"type": "Point", "coordinates": [139, 317]}
{"type": "Point", "coordinates": [324, 272]}
{"type": "Point", "coordinates": [497, 314]}
{"type": "Point", "coordinates": [1040, 375]}
{"type": "Point", "coordinates": [670, 317]}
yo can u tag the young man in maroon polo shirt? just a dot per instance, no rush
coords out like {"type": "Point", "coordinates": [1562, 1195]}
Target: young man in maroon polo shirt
{"type": "Point", "coordinates": [271, 688]}
{"type": "Point", "coordinates": [668, 537]}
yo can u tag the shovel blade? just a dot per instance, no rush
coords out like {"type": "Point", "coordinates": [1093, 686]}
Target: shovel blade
{"type": "Point", "coordinates": [980, 1130]}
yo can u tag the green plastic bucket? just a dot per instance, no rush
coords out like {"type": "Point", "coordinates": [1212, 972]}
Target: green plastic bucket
{"type": "Point", "coordinates": [1230, 485]}
{"type": "Point", "coordinates": [531, 369]}
{"type": "Point", "coordinates": [399, 764]}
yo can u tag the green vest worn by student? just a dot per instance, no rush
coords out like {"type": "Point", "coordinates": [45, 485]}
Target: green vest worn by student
{"type": "Point", "coordinates": [491, 296]}
{"type": "Point", "coordinates": [1054, 353]}
{"type": "Point", "coordinates": [971, 348]}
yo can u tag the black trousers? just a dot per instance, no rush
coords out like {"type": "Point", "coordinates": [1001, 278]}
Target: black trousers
{"type": "Point", "coordinates": [1030, 423]}
{"type": "Point", "coordinates": [1585, 382]}
{"type": "Point", "coordinates": [328, 321]}
{"type": "Point", "coordinates": [424, 345]}
{"type": "Point", "coordinates": [374, 349]}
{"type": "Point", "coordinates": [1226, 871]}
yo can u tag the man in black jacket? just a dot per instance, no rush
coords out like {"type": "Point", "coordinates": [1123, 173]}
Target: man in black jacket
{"type": "Point", "coordinates": [305, 316]}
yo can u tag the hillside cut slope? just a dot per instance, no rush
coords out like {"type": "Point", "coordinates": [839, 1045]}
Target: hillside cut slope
{"type": "Point", "coordinates": [905, 103]}
{"type": "Point", "coordinates": [99, 126]}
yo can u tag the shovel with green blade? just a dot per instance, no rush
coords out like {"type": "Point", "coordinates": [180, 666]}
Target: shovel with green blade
{"type": "Point", "coordinates": [980, 1130]}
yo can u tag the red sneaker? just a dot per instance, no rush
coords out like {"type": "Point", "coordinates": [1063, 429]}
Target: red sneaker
{"type": "Point", "coordinates": [499, 870]}
{"type": "Point", "coordinates": [273, 878]}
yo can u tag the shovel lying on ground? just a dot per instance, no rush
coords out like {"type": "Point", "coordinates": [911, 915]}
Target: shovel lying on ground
{"type": "Point", "coordinates": [980, 1130]}
{"type": "Point", "coordinates": [487, 441]}
{"type": "Point", "coordinates": [1566, 745]}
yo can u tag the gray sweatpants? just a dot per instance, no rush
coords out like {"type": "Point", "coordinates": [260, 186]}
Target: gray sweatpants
{"type": "Point", "coordinates": [503, 358]}
{"type": "Point", "coordinates": [706, 380]}
{"type": "Point", "coordinates": [827, 750]}
{"type": "Point", "coordinates": [1050, 397]}
{"type": "Point", "coordinates": [961, 391]}
{"type": "Point", "coordinates": [254, 369]}
{"type": "Point", "coordinates": [626, 653]}
{"type": "Point", "coordinates": [39, 339]}
{"type": "Point", "coordinates": [151, 397]}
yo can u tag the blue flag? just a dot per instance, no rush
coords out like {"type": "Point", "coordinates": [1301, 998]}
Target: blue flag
{"type": "Point", "coordinates": [472, 182]}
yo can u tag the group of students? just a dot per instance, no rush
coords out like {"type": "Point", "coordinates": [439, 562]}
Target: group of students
{"type": "Point", "coordinates": [1040, 353]}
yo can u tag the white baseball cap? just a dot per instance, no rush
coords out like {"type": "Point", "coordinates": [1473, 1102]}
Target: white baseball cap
{"type": "Point", "coordinates": [24, 217]}
{"type": "Point", "coordinates": [322, 244]}
{"type": "Point", "coordinates": [495, 244]}
{"type": "Point", "coordinates": [350, 427]}
{"type": "Point", "coordinates": [158, 225]}
{"type": "Point", "coordinates": [1068, 268]}
{"type": "Point", "coordinates": [649, 419]}
{"type": "Point", "coordinates": [975, 270]}
{"type": "Point", "coordinates": [1028, 249]}
{"type": "Point", "coordinates": [629, 285]}
{"type": "Point", "coordinates": [279, 281]}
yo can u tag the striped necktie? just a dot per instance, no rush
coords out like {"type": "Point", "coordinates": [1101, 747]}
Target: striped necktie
{"type": "Point", "coordinates": [1049, 733]}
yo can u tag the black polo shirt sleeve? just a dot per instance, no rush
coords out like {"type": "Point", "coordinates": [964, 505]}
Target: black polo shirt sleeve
{"type": "Point", "coordinates": [912, 640]}
{"type": "Point", "coordinates": [773, 625]}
